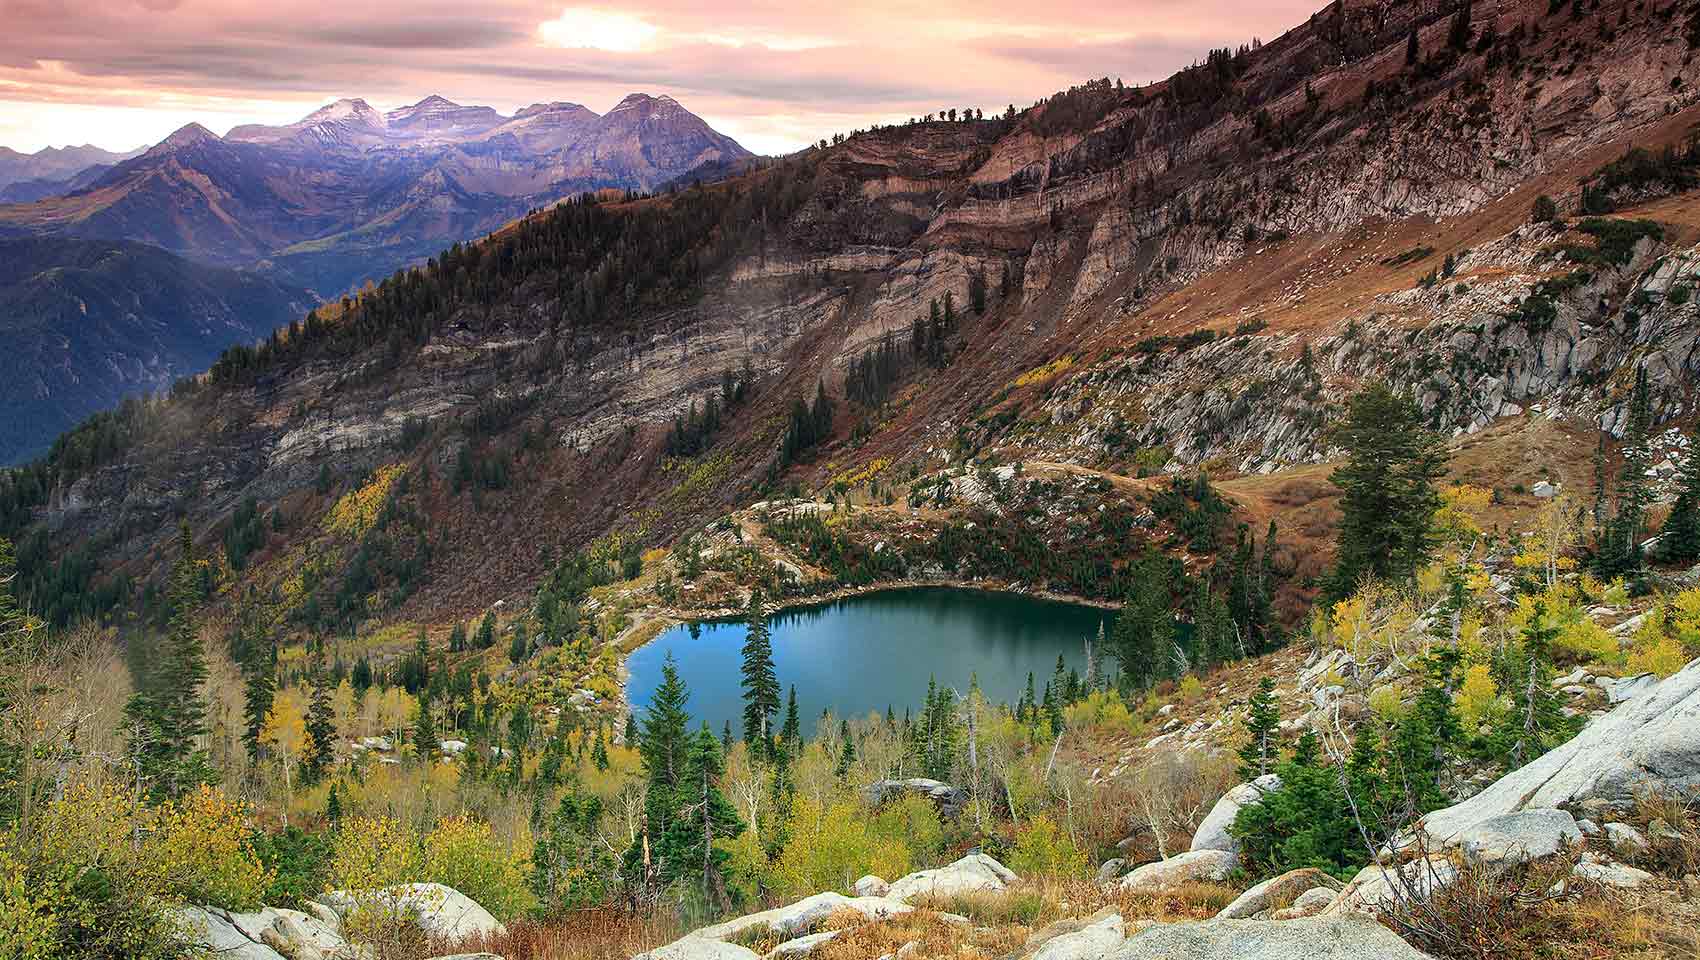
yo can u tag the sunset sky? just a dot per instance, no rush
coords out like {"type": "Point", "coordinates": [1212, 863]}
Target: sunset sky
{"type": "Point", "coordinates": [775, 75]}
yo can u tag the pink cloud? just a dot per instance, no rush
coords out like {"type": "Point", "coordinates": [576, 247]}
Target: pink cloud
{"type": "Point", "coordinates": [777, 75]}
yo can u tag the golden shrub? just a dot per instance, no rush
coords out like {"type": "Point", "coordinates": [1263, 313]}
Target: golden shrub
{"type": "Point", "coordinates": [1478, 695]}
{"type": "Point", "coordinates": [463, 853]}
{"type": "Point", "coordinates": [1044, 849]}
{"type": "Point", "coordinates": [202, 846]}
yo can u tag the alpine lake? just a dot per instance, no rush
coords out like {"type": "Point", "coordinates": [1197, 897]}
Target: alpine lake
{"type": "Point", "coordinates": [875, 651]}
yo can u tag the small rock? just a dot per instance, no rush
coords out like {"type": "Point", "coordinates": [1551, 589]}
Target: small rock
{"type": "Point", "coordinates": [871, 886]}
{"type": "Point", "coordinates": [1309, 904]}
{"type": "Point", "coordinates": [1611, 874]}
{"type": "Point", "coordinates": [1661, 832]}
{"type": "Point", "coordinates": [802, 946]}
{"type": "Point", "coordinates": [1626, 841]}
{"type": "Point", "coordinates": [1111, 869]}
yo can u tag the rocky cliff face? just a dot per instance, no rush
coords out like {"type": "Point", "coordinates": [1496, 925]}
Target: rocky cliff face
{"type": "Point", "coordinates": [1195, 272]}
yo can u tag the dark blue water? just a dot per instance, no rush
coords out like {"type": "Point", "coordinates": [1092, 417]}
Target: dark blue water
{"type": "Point", "coordinates": [867, 652]}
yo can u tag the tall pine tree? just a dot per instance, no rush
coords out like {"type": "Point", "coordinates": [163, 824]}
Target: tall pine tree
{"type": "Point", "coordinates": [1388, 495]}
{"type": "Point", "coordinates": [761, 686]}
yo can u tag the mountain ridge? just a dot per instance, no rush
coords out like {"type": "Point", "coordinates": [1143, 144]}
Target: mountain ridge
{"type": "Point", "coordinates": [1190, 274]}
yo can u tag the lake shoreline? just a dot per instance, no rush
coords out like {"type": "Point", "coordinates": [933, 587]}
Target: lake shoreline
{"type": "Point", "coordinates": [652, 622]}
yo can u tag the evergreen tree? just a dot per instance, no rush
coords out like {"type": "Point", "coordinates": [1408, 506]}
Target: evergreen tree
{"type": "Point", "coordinates": [664, 746]}
{"type": "Point", "coordinates": [1679, 541]}
{"type": "Point", "coordinates": [760, 685]}
{"type": "Point", "coordinates": [1263, 728]}
{"type": "Point", "coordinates": [1212, 629]}
{"type": "Point", "coordinates": [599, 754]}
{"type": "Point", "coordinates": [361, 676]}
{"type": "Point", "coordinates": [1536, 723]}
{"type": "Point", "coordinates": [687, 849]}
{"type": "Point", "coordinates": [1619, 550]}
{"type": "Point", "coordinates": [1458, 35]}
{"type": "Point", "coordinates": [631, 732]}
{"type": "Point", "coordinates": [1388, 496]}
{"type": "Point", "coordinates": [1144, 631]}
{"type": "Point", "coordinates": [1412, 50]}
{"type": "Point", "coordinates": [486, 632]}
{"type": "Point", "coordinates": [847, 755]}
{"type": "Point", "coordinates": [424, 731]}
{"type": "Point", "coordinates": [791, 734]}
{"type": "Point", "coordinates": [259, 687]}
{"type": "Point", "coordinates": [726, 737]}
{"type": "Point", "coordinates": [520, 647]}
{"type": "Point", "coordinates": [165, 718]}
{"type": "Point", "coordinates": [333, 807]}
{"type": "Point", "coordinates": [321, 735]}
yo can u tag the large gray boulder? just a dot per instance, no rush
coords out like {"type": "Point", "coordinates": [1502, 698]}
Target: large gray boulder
{"type": "Point", "coordinates": [949, 799]}
{"type": "Point", "coordinates": [443, 912]}
{"type": "Point", "coordinates": [1653, 740]}
{"type": "Point", "coordinates": [1088, 943]}
{"type": "Point", "coordinates": [211, 928]}
{"type": "Point", "coordinates": [1520, 837]}
{"type": "Point", "coordinates": [264, 934]}
{"type": "Point", "coordinates": [1284, 889]}
{"type": "Point", "coordinates": [795, 919]}
{"type": "Point", "coordinates": [1309, 904]}
{"type": "Point", "coordinates": [972, 873]}
{"type": "Point", "coordinates": [699, 948]}
{"type": "Point", "coordinates": [1212, 833]}
{"type": "Point", "coordinates": [1194, 866]}
{"type": "Point", "coordinates": [802, 946]}
{"type": "Point", "coordinates": [1311, 938]}
{"type": "Point", "coordinates": [1624, 689]}
{"type": "Point", "coordinates": [1377, 888]}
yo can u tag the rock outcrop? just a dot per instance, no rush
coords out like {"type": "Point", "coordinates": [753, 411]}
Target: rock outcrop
{"type": "Point", "coordinates": [973, 873]}
{"type": "Point", "coordinates": [1312, 938]}
{"type": "Point", "coordinates": [949, 799]}
{"type": "Point", "coordinates": [1654, 739]}
{"type": "Point", "coordinates": [443, 912]}
{"type": "Point", "coordinates": [1284, 889]}
{"type": "Point", "coordinates": [1191, 867]}
{"type": "Point", "coordinates": [275, 933]}
{"type": "Point", "coordinates": [1212, 833]}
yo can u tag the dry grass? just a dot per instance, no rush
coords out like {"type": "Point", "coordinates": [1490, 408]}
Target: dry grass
{"type": "Point", "coordinates": [602, 934]}
{"type": "Point", "coordinates": [932, 935]}
{"type": "Point", "coordinates": [1678, 856]}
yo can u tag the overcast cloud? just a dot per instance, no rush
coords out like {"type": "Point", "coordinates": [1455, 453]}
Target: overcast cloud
{"type": "Point", "coordinates": [122, 73]}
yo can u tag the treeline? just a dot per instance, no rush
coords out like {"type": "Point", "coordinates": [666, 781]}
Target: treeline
{"type": "Point", "coordinates": [694, 431]}
{"type": "Point", "coordinates": [591, 263]}
{"type": "Point", "coordinates": [809, 424]}
{"type": "Point", "coordinates": [1672, 169]}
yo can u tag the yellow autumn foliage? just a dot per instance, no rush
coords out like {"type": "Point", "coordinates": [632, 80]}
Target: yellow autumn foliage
{"type": "Point", "coordinates": [1477, 696]}
{"type": "Point", "coordinates": [358, 510]}
{"type": "Point", "coordinates": [1045, 372]}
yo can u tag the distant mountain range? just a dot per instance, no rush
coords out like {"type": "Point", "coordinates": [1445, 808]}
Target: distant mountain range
{"type": "Point", "coordinates": [26, 177]}
{"type": "Point", "coordinates": [347, 193]}
{"type": "Point", "coordinates": [266, 218]}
